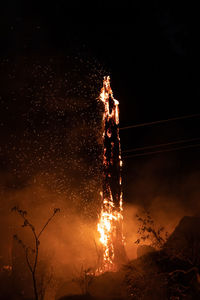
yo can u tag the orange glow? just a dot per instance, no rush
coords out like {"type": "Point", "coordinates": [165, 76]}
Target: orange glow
{"type": "Point", "coordinates": [111, 216]}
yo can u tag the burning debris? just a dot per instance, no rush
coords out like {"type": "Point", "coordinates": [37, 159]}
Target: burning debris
{"type": "Point", "coordinates": [111, 217]}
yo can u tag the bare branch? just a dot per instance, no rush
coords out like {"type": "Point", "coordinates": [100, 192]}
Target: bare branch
{"type": "Point", "coordinates": [45, 225]}
{"type": "Point", "coordinates": [23, 214]}
{"type": "Point", "coordinates": [27, 260]}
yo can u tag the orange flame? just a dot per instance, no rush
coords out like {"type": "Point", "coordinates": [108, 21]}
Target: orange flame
{"type": "Point", "coordinates": [111, 216]}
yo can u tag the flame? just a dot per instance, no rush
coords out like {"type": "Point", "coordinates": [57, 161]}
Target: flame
{"type": "Point", "coordinates": [111, 214]}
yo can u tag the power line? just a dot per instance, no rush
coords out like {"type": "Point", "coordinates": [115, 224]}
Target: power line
{"type": "Point", "coordinates": [160, 151]}
{"type": "Point", "coordinates": [160, 121]}
{"type": "Point", "coordinates": [161, 145]}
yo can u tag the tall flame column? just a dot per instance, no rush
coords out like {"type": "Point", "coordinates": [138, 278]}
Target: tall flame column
{"type": "Point", "coordinates": [110, 222]}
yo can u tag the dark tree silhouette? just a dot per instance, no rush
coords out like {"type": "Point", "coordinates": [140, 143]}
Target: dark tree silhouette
{"type": "Point", "coordinates": [148, 232]}
{"type": "Point", "coordinates": [31, 254]}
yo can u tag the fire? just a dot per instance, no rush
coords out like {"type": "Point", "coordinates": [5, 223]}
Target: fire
{"type": "Point", "coordinates": [110, 221]}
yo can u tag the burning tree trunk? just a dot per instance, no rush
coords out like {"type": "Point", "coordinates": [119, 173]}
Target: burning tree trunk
{"type": "Point", "coordinates": [110, 223]}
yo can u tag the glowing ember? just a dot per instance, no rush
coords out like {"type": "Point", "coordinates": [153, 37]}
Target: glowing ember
{"type": "Point", "coordinates": [110, 222]}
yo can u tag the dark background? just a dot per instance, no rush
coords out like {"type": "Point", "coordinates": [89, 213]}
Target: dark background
{"type": "Point", "coordinates": [152, 54]}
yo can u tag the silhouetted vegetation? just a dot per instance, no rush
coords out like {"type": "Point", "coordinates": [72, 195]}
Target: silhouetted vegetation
{"type": "Point", "coordinates": [147, 231]}
{"type": "Point", "coordinates": [32, 253]}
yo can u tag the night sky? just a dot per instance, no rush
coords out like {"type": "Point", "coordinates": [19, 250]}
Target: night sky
{"type": "Point", "coordinates": [51, 52]}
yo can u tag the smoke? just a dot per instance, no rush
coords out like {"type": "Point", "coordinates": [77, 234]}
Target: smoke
{"type": "Point", "coordinates": [67, 245]}
{"type": "Point", "coordinates": [67, 232]}
{"type": "Point", "coordinates": [158, 185]}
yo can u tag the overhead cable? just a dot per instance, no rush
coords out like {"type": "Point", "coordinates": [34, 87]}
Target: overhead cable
{"type": "Point", "coordinates": [160, 121]}
{"type": "Point", "coordinates": [161, 145]}
{"type": "Point", "coordinates": [161, 151]}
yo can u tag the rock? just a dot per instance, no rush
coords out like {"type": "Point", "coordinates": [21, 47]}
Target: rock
{"type": "Point", "coordinates": [184, 242]}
